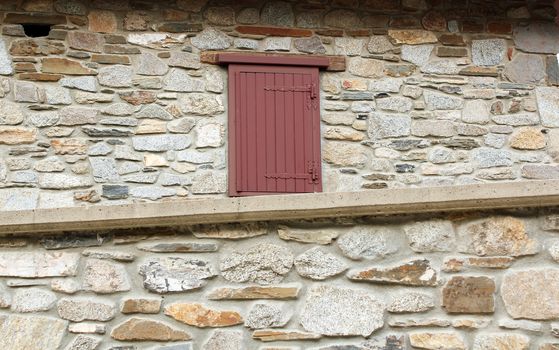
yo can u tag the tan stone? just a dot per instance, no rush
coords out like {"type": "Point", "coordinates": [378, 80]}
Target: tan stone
{"type": "Point", "coordinates": [102, 21]}
{"type": "Point", "coordinates": [151, 126]}
{"type": "Point", "coordinates": [343, 134]}
{"type": "Point", "coordinates": [267, 335]}
{"type": "Point", "coordinates": [64, 66]}
{"type": "Point", "coordinates": [549, 346]}
{"type": "Point", "coordinates": [155, 160]}
{"type": "Point", "coordinates": [437, 341]}
{"type": "Point", "coordinates": [38, 5]}
{"type": "Point", "coordinates": [355, 85]}
{"type": "Point", "coordinates": [527, 138]}
{"type": "Point", "coordinates": [140, 306]}
{"type": "Point", "coordinates": [315, 235]}
{"type": "Point", "coordinates": [31, 332]}
{"type": "Point", "coordinates": [497, 236]}
{"type": "Point", "coordinates": [412, 36]}
{"type": "Point", "coordinates": [469, 295]}
{"type": "Point", "coordinates": [255, 292]}
{"type": "Point", "coordinates": [142, 329]}
{"type": "Point", "coordinates": [344, 154]}
{"type": "Point", "coordinates": [229, 231]}
{"type": "Point", "coordinates": [460, 264]}
{"type": "Point", "coordinates": [532, 294]}
{"type": "Point", "coordinates": [501, 341]}
{"type": "Point", "coordinates": [10, 135]}
{"type": "Point", "coordinates": [86, 41]}
{"type": "Point", "coordinates": [428, 322]}
{"type": "Point", "coordinates": [198, 315]}
{"type": "Point", "coordinates": [366, 67]}
{"type": "Point", "coordinates": [139, 97]}
{"type": "Point", "coordinates": [412, 273]}
{"type": "Point", "coordinates": [471, 323]}
{"type": "Point", "coordinates": [69, 146]}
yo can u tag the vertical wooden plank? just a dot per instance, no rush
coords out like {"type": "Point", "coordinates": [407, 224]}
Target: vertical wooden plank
{"type": "Point", "coordinates": [270, 136]}
{"type": "Point", "coordinates": [316, 134]}
{"type": "Point", "coordinates": [280, 99]}
{"type": "Point", "coordinates": [243, 132]}
{"type": "Point", "coordinates": [308, 129]}
{"type": "Point", "coordinates": [250, 127]}
{"type": "Point", "coordinates": [260, 98]}
{"type": "Point", "coordinates": [232, 132]}
{"type": "Point", "coordinates": [299, 105]}
{"type": "Point", "coordinates": [289, 133]}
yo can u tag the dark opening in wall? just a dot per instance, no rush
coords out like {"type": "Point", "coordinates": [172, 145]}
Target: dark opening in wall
{"type": "Point", "coordinates": [36, 30]}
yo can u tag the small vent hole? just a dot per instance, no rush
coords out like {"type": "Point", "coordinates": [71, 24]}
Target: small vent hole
{"type": "Point", "coordinates": [36, 30]}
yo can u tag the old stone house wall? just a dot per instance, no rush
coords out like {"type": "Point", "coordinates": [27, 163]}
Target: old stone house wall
{"type": "Point", "coordinates": [115, 105]}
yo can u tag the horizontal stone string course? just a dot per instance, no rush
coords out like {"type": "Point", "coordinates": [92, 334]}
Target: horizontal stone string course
{"type": "Point", "coordinates": [466, 280]}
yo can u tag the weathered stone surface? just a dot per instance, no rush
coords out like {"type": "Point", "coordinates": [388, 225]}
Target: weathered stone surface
{"type": "Point", "coordinates": [11, 135]}
{"type": "Point", "coordinates": [178, 80]}
{"type": "Point", "coordinates": [438, 101]}
{"type": "Point", "coordinates": [537, 37]}
{"type": "Point", "coordinates": [143, 329]}
{"type": "Point", "coordinates": [198, 315]}
{"type": "Point", "coordinates": [488, 52]}
{"type": "Point", "coordinates": [345, 155]}
{"type": "Point", "coordinates": [379, 44]}
{"type": "Point", "coordinates": [389, 125]}
{"type": "Point", "coordinates": [277, 44]}
{"type": "Point", "coordinates": [335, 311]}
{"type": "Point", "coordinates": [5, 60]}
{"type": "Point", "coordinates": [459, 264]}
{"type": "Point", "coordinates": [528, 139]}
{"type": "Point", "coordinates": [367, 242]}
{"type": "Point", "coordinates": [341, 18]}
{"type": "Point", "coordinates": [431, 236]}
{"type": "Point", "coordinates": [104, 169]}
{"type": "Point", "coordinates": [264, 264]}
{"type": "Point", "coordinates": [489, 157]}
{"type": "Point", "coordinates": [548, 105]}
{"type": "Point", "coordinates": [366, 67]}
{"type": "Point", "coordinates": [33, 300]}
{"type": "Point", "coordinates": [412, 36]}
{"type": "Point", "coordinates": [411, 302]}
{"type": "Point", "coordinates": [229, 231]}
{"type": "Point", "coordinates": [211, 39]}
{"type": "Point", "coordinates": [255, 292]}
{"type": "Point", "coordinates": [417, 54]}
{"type": "Point", "coordinates": [269, 335]}
{"type": "Point", "coordinates": [102, 21]}
{"type": "Point", "coordinates": [10, 113]}
{"type": "Point", "coordinates": [179, 247]}
{"type": "Point", "coordinates": [63, 181]}
{"type": "Point", "coordinates": [84, 342]}
{"type": "Point", "coordinates": [318, 264]}
{"type": "Point", "coordinates": [174, 274]}
{"type": "Point", "coordinates": [161, 143]}
{"type": "Point", "coordinates": [312, 45]}
{"type": "Point", "coordinates": [412, 273]}
{"type": "Point", "coordinates": [496, 236]}
{"type": "Point", "coordinates": [31, 332]}
{"type": "Point", "coordinates": [116, 76]}
{"type": "Point", "coordinates": [476, 112]}
{"type": "Point", "coordinates": [202, 104]}
{"type": "Point", "coordinates": [318, 235]}
{"type": "Point", "coordinates": [37, 264]}
{"type": "Point", "coordinates": [525, 68]}
{"type": "Point", "coordinates": [85, 308]}
{"type": "Point", "coordinates": [184, 60]}
{"type": "Point", "coordinates": [71, 116]}
{"type": "Point", "coordinates": [502, 341]}
{"type": "Point", "coordinates": [221, 339]}
{"type": "Point", "coordinates": [531, 294]}
{"type": "Point", "coordinates": [86, 41]}
{"type": "Point", "coordinates": [104, 277]}
{"type": "Point", "coordinates": [140, 305]}
{"type": "Point", "coordinates": [469, 295]}
{"type": "Point", "coordinates": [439, 341]}
{"type": "Point", "coordinates": [277, 13]}
{"type": "Point", "coordinates": [210, 135]}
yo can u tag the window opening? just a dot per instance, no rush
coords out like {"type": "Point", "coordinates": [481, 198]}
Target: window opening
{"type": "Point", "coordinates": [36, 30]}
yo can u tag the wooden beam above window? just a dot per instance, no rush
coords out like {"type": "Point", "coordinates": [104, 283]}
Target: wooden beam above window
{"type": "Point", "coordinates": [329, 63]}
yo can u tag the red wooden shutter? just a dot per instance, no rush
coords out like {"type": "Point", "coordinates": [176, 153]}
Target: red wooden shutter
{"type": "Point", "coordinates": [274, 130]}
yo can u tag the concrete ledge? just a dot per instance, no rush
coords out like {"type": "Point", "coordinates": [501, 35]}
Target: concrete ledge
{"type": "Point", "coordinates": [278, 207]}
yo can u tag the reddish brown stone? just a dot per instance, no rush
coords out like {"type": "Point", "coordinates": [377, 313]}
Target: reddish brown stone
{"type": "Point", "coordinates": [180, 27]}
{"type": "Point", "coordinates": [69, 146]}
{"type": "Point", "coordinates": [34, 18]}
{"type": "Point", "coordinates": [480, 71]}
{"type": "Point", "coordinates": [24, 67]}
{"type": "Point", "coordinates": [330, 32]}
{"type": "Point", "coordinates": [39, 76]}
{"type": "Point", "coordinates": [434, 20]}
{"type": "Point", "coordinates": [35, 47]}
{"type": "Point", "coordinates": [469, 295]}
{"type": "Point", "coordinates": [375, 21]}
{"type": "Point", "coordinates": [102, 21]}
{"type": "Point", "coordinates": [137, 98]}
{"type": "Point", "coordinates": [136, 21]}
{"type": "Point", "coordinates": [472, 26]}
{"type": "Point", "coordinates": [115, 39]}
{"type": "Point", "coordinates": [64, 66]}
{"type": "Point", "coordinates": [110, 59]}
{"type": "Point", "coordinates": [198, 315]}
{"type": "Point", "coordinates": [78, 20]}
{"type": "Point", "coordinates": [444, 51]}
{"type": "Point", "coordinates": [399, 70]}
{"type": "Point", "coordinates": [10, 135]}
{"type": "Point", "coordinates": [174, 15]}
{"type": "Point", "coordinates": [121, 50]}
{"type": "Point", "coordinates": [137, 329]}
{"type": "Point", "coordinates": [358, 32]}
{"type": "Point", "coordinates": [452, 40]}
{"type": "Point", "coordinates": [412, 273]}
{"type": "Point", "coordinates": [274, 31]}
{"type": "Point", "coordinates": [499, 27]}
{"type": "Point", "coordinates": [86, 41]}
{"type": "Point", "coordinates": [37, 6]}
{"type": "Point", "coordinates": [404, 22]}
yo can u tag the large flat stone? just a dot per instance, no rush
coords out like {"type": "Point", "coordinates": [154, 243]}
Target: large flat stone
{"type": "Point", "coordinates": [411, 273]}
{"type": "Point", "coordinates": [548, 104]}
{"type": "Point", "coordinates": [143, 329]}
{"type": "Point", "coordinates": [38, 264]}
{"type": "Point", "coordinates": [174, 274]}
{"type": "Point", "coordinates": [537, 38]}
{"type": "Point", "coordinates": [31, 332]}
{"type": "Point", "coordinates": [469, 295]}
{"type": "Point", "coordinates": [86, 308]}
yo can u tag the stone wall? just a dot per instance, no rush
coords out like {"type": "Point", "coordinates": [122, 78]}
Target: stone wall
{"type": "Point", "coordinates": [461, 281]}
{"type": "Point", "coordinates": [114, 105]}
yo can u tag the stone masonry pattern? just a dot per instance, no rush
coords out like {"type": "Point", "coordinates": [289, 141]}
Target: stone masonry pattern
{"type": "Point", "coordinates": [473, 280]}
{"type": "Point", "coordinates": [115, 105]}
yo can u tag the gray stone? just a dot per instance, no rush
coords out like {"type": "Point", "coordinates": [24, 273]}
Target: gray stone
{"type": "Point", "coordinates": [179, 247]}
{"type": "Point", "coordinates": [55, 95]}
{"type": "Point", "coordinates": [389, 125]}
{"type": "Point", "coordinates": [312, 45]}
{"type": "Point", "coordinates": [10, 113]}
{"type": "Point", "coordinates": [71, 116]}
{"type": "Point", "coordinates": [495, 140]}
{"type": "Point", "coordinates": [144, 178]}
{"type": "Point", "coordinates": [202, 104]}
{"type": "Point", "coordinates": [430, 236]}
{"type": "Point", "coordinates": [365, 67]}
{"type": "Point", "coordinates": [552, 69]}
{"type": "Point", "coordinates": [49, 165]}
{"type": "Point", "coordinates": [99, 149]}
{"type": "Point", "coordinates": [488, 157]}
{"type": "Point", "coordinates": [179, 80]}
{"type": "Point", "coordinates": [105, 277]}
{"type": "Point", "coordinates": [182, 125]}
{"type": "Point", "coordinates": [119, 109]}
{"type": "Point", "coordinates": [161, 143]}
{"type": "Point", "coordinates": [548, 105]}
{"type": "Point", "coordinates": [476, 112]}
{"type": "Point", "coordinates": [379, 44]}
{"type": "Point", "coordinates": [438, 101]}
{"type": "Point", "coordinates": [209, 183]}
{"type": "Point", "coordinates": [367, 242]}
{"type": "Point", "coordinates": [31, 332]}
{"type": "Point", "coordinates": [116, 76]}
{"type": "Point", "coordinates": [488, 52]}
{"type": "Point", "coordinates": [525, 68]}
{"type": "Point", "coordinates": [539, 172]}
{"type": "Point", "coordinates": [386, 85]}
{"type": "Point", "coordinates": [245, 44]}
{"type": "Point", "coordinates": [517, 119]}
{"type": "Point", "coordinates": [436, 128]}
{"type": "Point", "coordinates": [5, 60]}
{"type": "Point", "coordinates": [417, 54]}
{"type": "Point", "coordinates": [263, 264]}
{"type": "Point", "coordinates": [211, 39]}
{"type": "Point", "coordinates": [411, 303]}
{"type": "Point", "coordinates": [38, 265]}
{"type": "Point", "coordinates": [277, 13]}
{"type": "Point", "coordinates": [214, 79]}
{"type": "Point", "coordinates": [443, 67]}
{"type": "Point", "coordinates": [108, 254]}
{"type": "Point", "coordinates": [23, 177]}
{"type": "Point", "coordinates": [119, 121]}
{"type": "Point", "coordinates": [74, 240]}
{"type": "Point", "coordinates": [63, 182]}
{"type": "Point", "coordinates": [318, 264]}
{"type": "Point", "coordinates": [499, 341]}
{"type": "Point", "coordinates": [395, 104]}
{"type": "Point", "coordinates": [210, 135]}
{"type": "Point", "coordinates": [174, 274]}
{"type": "Point", "coordinates": [43, 119]}
{"type": "Point", "coordinates": [341, 18]}
{"type": "Point", "coordinates": [18, 199]}
{"type": "Point", "coordinates": [277, 44]}
{"type": "Point", "coordinates": [224, 340]}
{"type": "Point", "coordinates": [104, 169]}
{"type": "Point", "coordinates": [79, 309]}
{"type": "Point", "coordinates": [441, 155]}
{"type": "Point", "coordinates": [80, 83]}
{"type": "Point", "coordinates": [248, 15]}
{"type": "Point", "coordinates": [152, 192]}
{"type": "Point", "coordinates": [25, 91]}
{"type": "Point", "coordinates": [33, 300]}
{"type": "Point", "coordinates": [263, 316]}
{"type": "Point", "coordinates": [5, 297]}
{"type": "Point", "coordinates": [154, 112]}
{"type": "Point", "coordinates": [537, 37]}
{"type": "Point", "coordinates": [149, 64]}
{"type": "Point", "coordinates": [335, 311]}
{"type": "Point", "coordinates": [348, 46]}
{"type": "Point", "coordinates": [184, 60]}
{"type": "Point", "coordinates": [229, 231]}
{"type": "Point", "coordinates": [84, 342]}
{"type": "Point", "coordinates": [127, 153]}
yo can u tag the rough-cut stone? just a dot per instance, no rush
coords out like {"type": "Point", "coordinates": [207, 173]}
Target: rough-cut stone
{"type": "Point", "coordinates": [497, 236]}
{"type": "Point", "coordinates": [33, 300]}
{"type": "Point", "coordinates": [459, 264]}
{"type": "Point", "coordinates": [101, 276]}
{"type": "Point", "coordinates": [116, 76]}
{"type": "Point", "coordinates": [208, 183]}
{"type": "Point", "coordinates": [263, 316]}
{"type": "Point", "coordinates": [438, 101]}
{"type": "Point", "coordinates": [411, 303]}
{"type": "Point", "coordinates": [525, 68]}
{"type": "Point", "coordinates": [344, 155]}
{"type": "Point", "coordinates": [264, 264]}
{"type": "Point", "coordinates": [174, 274]}
{"type": "Point", "coordinates": [335, 311]}
{"type": "Point", "coordinates": [184, 60]}
{"type": "Point", "coordinates": [412, 273]}
{"type": "Point", "coordinates": [10, 113]}
{"type": "Point", "coordinates": [318, 235]}
{"type": "Point", "coordinates": [85, 308]}
{"type": "Point", "coordinates": [104, 169]}
{"type": "Point", "coordinates": [437, 341]}
{"type": "Point", "coordinates": [379, 44]}
{"type": "Point", "coordinates": [538, 37]}
{"type": "Point", "coordinates": [412, 36]}
{"type": "Point", "coordinates": [210, 135]}
{"type": "Point", "coordinates": [31, 332]}
{"type": "Point", "coordinates": [161, 143]}
{"type": "Point", "coordinates": [366, 67]}
{"type": "Point", "coordinates": [255, 292]}
{"type": "Point", "coordinates": [430, 236]}
{"type": "Point", "coordinates": [501, 341]}
{"type": "Point", "coordinates": [318, 264]}
{"type": "Point", "coordinates": [63, 182]}
{"type": "Point", "coordinates": [312, 45]}
{"type": "Point", "coordinates": [221, 340]}
{"type": "Point", "coordinates": [229, 231]}
{"type": "Point", "coordinates": [37, 264]}
{"type": "Point", "coordinates": [5, 60]}
{"type": "Point", "coordinates": [469, 295]}
{"type": "Point", "coordinates": [102, 21]}
{"type": "Point", "coordinates": [211, 39]}
{"type": "Point", "coordinates": [488, 157]}
{"type": "Point", "coordinates": [277, 13]}
{"type": "Point", "coordinates": [532, 294]}
{"type": "Point", "coordinates": [476, 112]}
{"type": "Point", "coordinates": [202, 104]}
{"type": "Point", "coordinates": [179, 247]}
{"type": "Point", "coordinates": [10, 135]}
{"type": "Point", "coordinates": [143, 329]}
{"type": "Point", "coordinates": [85, 41]}
{"type": "Point", "coordinates": [140, 305]}
{"type": "Point", "coordinates": [548, 105]}
{"type": "Point", "coordinates": [341, 18]}
{"type": "Point", "coordinates": [366, 242]}
{"type": "Point", "coordinates": [417, 54]}
{"type": "Point", "coordinates": [488, 52]}
{"type": "Point", "coordinates": [528, 139]}
{"type": "Point", "coordinates": [84, 342]}
{"type": "Point", "coordinates": [198, 315]}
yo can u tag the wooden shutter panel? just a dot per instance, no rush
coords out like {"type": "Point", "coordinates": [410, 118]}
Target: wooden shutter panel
{"type": "Point", "coordinates": [274, 130]}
